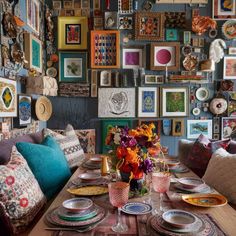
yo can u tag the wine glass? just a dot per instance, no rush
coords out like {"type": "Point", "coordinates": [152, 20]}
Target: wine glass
{"type": "Point", "coordinates": [119, 195]}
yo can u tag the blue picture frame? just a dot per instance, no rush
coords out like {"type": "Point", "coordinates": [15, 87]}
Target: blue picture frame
{"type": "Point", "coordinates": [171, 35]}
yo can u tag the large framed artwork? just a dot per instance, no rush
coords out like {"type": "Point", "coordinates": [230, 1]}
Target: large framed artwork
{"type": "Point", "coordinates": [33, 14]}
{"type": "Point", "coordinates": [228, 128]}
{"type": "Point", "coordinates": [72, 33]}
{"type": "Point", "coordinates": [165, 56]}
{"type": "Point", "coordinates": [8, 98]}
{"type": "Point", "coordinates": [73, 66]}
{"type": "Point", "coordinates": [148, 103]}
{"type": "Point", "coordinates": [33, 52]}
{"type": "Point", "coordinates": [174, 101]}
{"type": "Point", "coordinates": [229, 67]}
{"type": "Point", "coordinates": [197, 127]}
{"type": "Point", "coordinates": [116, 102]}
{"type": "Point", "coordinates": [223, 9]}
{"type": "Point", "coordinates": [149, 26]}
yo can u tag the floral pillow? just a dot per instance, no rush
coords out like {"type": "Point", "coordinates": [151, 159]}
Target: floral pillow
{"type": "Point", "coordinates": [20, 195]}
{"type": "Point", "coordinates": [200, 154]}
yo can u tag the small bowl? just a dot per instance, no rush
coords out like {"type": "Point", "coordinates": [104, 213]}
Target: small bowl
{"type": "Point", "coordinates": [171, 163]}
{"type": "Point", "coordinates": [96, 159]}
{"type": "Point", "coordinates": [89, 176]}
{"type": "Point", "coordinates": [190, 182]}
{"type": "Point", "coordinates": [179, 218]}
{"type": "Point", "coordinates": [77, 204]}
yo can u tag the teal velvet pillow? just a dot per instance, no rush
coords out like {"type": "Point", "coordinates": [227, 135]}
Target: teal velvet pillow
{"type": "Point", "coordinates": [48, 164]}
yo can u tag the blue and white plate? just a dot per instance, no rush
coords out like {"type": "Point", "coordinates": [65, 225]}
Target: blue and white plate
{"type": "Point", "coordinates": [137, 208]}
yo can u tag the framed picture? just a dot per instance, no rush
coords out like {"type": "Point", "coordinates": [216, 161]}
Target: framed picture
{"type": "Point", "coordinates": [177, 127]}
{"type": "Point", "coordinates": [69, 12]}
{"type": "Point", "coordinates": [165, 55]}
{"type": "Point", "coordinates": [229, 67]}
{"type": "Point", "coordinates": [154, 79]}
{"type": "Point", "coordinates": [72, 32]}
{"type": "Point", "coordinates": [105, 78]}
{"type": "Point", "coordinates": [56, 5]}
{"type": "Point", "coordinates": [187, 37]}
{"type": "Point", "coordinates": [232, 51]}
{"type": "Point", "coordinates": [197, 127]}
{"type": "Point", "coordinates": [107, 124]}
{"type": "Point", "coordinates": [77, 4]}
{"type": "Point", "coordinates": [111, 20]}
{"type": "Point", "coordinates": [174, 101]}
{"type": "Point", "coordinates": [223, 9]}
{"type": "Point", "coordinates": [101, 41]}
{"type": "Point", "coordinates": [157, 124]}
{"type": "Point", "coordinates": [116, 102]}
{"type": "Point", "coordinates": [94, 83]}
{"type": "Point", "coordinates": [148, 102]}
{"type": "Point", "coordinates": [73, 66]}
{"type": "Point", "coordinates": [126, 22]}
{"type": "Point", "coordinates": [171, 35]}
{"type": "Point", "coordinates": [33, 14]}
{"type": "Point", "coordinates": [133, 58]}
{"type": "Point", "coordinates": [228, 127]}
{"type": "Point", "coordinates": [85, 4]}
{"type": "Point", "coordinates": [68, 4]}
{"type": "Point", "coordinates": [8, 95]}
{"type": "Point", "coordinates": [33, 52]}
{"type": "Point", "coordinates": [149, 26]}
{"type": "Point", "coordinates": [125, 6]}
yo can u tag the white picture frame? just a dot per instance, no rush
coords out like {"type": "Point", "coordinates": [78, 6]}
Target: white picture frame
{"type": "Point", "coordinates": [132, 58]}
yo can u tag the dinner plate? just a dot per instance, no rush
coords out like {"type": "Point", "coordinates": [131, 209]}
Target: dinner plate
{"type": "Point", "coordinates": [205, 200]}
{"type": "Point", "coordinates": [201, 189]}
{"type": "Point", "coordinates": [190, 182]}
{"type": "Point", "coordinates": [91, 165]}
{"type": "Point", "coordinates": [89, 190]}
{"type": "Point", "coordinates": [89, 176]}
{"type": "Point", "coordinates": [202, 94]}
{"type": "Point", "coordinates": [136, 208]}
{"type": "Point", "coordinates": [77, 204]}
{"type": "Point", "coordinates": [179, 169]}
{"type": "Point", "coordinates": [96, 159]}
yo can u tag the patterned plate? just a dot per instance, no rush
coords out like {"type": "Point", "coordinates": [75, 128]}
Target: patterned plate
{"type": "Point", "coordinates": [201, 189]}
{"type": "Point", "coordinates": [137, 208]}
{"type": "Point", "coordinates": [179, 169]}
{"type": "Point", "coordinates": [89, 190]}
{"type": "Point", "coordinates": [53, 218]}
{"type": "Point", "coordinates": [91, 165]}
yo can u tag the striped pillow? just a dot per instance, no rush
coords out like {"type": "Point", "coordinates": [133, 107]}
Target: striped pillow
{"type": "Point", "coordinates": [70, 145]}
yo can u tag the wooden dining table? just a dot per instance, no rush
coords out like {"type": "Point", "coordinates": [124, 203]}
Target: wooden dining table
{"type": "Point", "coordinates": [223, 216]}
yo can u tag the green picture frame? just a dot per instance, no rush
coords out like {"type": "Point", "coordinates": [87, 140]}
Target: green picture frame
{"type": "Point", "coordinates": [73, 67]}
{"type": "Point", "coordinates": [105, 126]}
{"type": "Point", "coordinates": [171, 35]}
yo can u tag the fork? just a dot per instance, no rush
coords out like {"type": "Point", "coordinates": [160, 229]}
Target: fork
{"type": "Point", "coordinates": [70, 229]}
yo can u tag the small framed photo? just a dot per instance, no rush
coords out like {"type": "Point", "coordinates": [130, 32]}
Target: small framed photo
{"type": "Point", "coordinates": [105, 78]}
{"type": "Point", "coordinates": [68, 4]}
{"type": "Point", "coordinates": [77, 4]}
{"type": "Point", "coordinates": [33, 14]}
{"type": "Point", "coordinates": [125, 22]}
{"type": "Point", "coordinates": [94, 83]}
{"type": "Point", "coordinates": [197, 127]}
{"type": "Point", "coordinates": [232, 51]}
{"type": "Point", "coordinates": [228, 126]}
{"type": "Point", "coordinates": [85, 4]}
{"type": "Point", "coordinates": [69, 12]}
{"type": "Point", "coordinates": [133, 58]}
{"type": "Point", "coordinates": [223, 10]}
{"type": "Point", "coordinates": [111, 20]}
{"type": "Point", "coordinates": [56, 5]}
{"type": "Point", "coordinates": [157, 124]}
{"type": "Point", "coordinates": [230, 67]}
{"type": "Point", "coordinates": [174, 101]}
{"type": "Point", "coordinates": [187, 37]}
{"type": "Point", "coordinates": [98, 23]}
{"type": "Point", "coordinates": [125, 6]}
{"type": "Point", "coordinates": [171, 35]}
{"type": "Point", "coordinates": [154, 79]}
{"type": "Point", "coordinates": [165, 55]}
{"type": "Point", "coordinates": [177, 127]}
{"type": "Point", "coordinates": [148, 102]}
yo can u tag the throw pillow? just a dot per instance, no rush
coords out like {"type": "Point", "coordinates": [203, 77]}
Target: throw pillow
{"type": "Point", "coordinates": [200, 154]}
{"type": "Point", "coordinates": [70, 145]}
{"type": "Point", "coordinates": [221, 174]}
{"type": "Point", "coordinates": [20, 195]}
{"type": "Point", "coordinates": [48, 164]}
{"type": "Point", "coordinates": [232, 147]}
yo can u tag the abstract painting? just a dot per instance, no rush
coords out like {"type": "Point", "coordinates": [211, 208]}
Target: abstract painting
{"type": "Point", "coordinates": [197, 127]}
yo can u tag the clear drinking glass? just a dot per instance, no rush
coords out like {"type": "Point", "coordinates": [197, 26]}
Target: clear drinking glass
{"type": "Point", "coordinates": [119, 195]}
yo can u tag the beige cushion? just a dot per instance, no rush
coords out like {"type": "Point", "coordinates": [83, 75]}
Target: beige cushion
{"type": "Point", "coordinates": [221, 174]}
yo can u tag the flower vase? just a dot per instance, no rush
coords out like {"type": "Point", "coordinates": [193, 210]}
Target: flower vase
{"type": "Point", "coordinates": [135, 184]}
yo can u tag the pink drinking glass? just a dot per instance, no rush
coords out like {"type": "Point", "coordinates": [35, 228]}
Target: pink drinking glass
{"type": "Point", "coordinates": [119, 195]}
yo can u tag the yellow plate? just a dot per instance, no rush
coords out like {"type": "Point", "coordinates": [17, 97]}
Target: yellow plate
{"type": "Point", "coordinates": [89, 190]}
{"type": "Point", "coordinates": [205, 200]}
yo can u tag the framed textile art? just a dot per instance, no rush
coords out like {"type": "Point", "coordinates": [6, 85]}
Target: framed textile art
{"type": "Point", "coordinates": [33, 52]}
{"type": "Point", "coordinates": [33, 14]}
{"type": "Point", "coordinates": [24, 110]}
{"type": "Point", "coordinates": [149, 26]}
{"type": "Point", "coordinates": [73, 66]}
{"type": "Point", "coordinates": [165, 56]}
{"type": "Point", "coordinates": [72, 33]}
{"type": "Point", "coordinates": [8, 98]}
{"type": "Point", "coordinates": [116, 102]}
{"type": "Point", "coordinates": [174, 101]}
{"type": "Point", "coordinates": [125, 6]}
{"type": "Point", "coordinates": [197, 127]}
{"type": "Point", "coordinates": [223, 9]}
{"type": "Point", "coordinates": [103, 41]}
{"type": "Point", "coordinates": [228, 126]}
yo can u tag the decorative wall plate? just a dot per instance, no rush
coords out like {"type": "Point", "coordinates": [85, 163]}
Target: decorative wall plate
{"type": "Point", "coordinates": [202, 94]}
{"type": "Point", "coordinates": [52, 72]}
{"type": "Point", "coordinates": [229, 29]}
{"type": "Point", "coordinates": [190, 62]}
{"type": "Point", "coordinates": [218, 106]}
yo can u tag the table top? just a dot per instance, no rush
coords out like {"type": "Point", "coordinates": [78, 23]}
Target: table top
{"type": "Point", "coordinates": [225, 216]}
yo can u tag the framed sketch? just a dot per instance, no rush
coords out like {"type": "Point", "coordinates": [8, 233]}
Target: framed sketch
{"type": "Point", "coordinates": [165, 55]}
{"type": "Point", "coordinates": [116, 102]}
{"type": "Point", "coordinates": [101, 41]}
{"type": "Point", "coordinates": [33, 52]}
{"type": "Point", "coordinates": [125, 6]}
{"type": "Point", "coordinates": [72, 32]}
{"type": "Point", "coordinates": [228, 128]}
{"type": "Point", "coordinates": [177, 127]}
{"type": "Point", "coordinates": [197, 127]}
{"type": "Point", "coordinates": [229, 67]}
{"type": "Point", "coordinates": [148, 102]}
{"type": "Point", "coordinates": [174, 101]}
{"type": "Point", "coordinates": [73, 67]}
{"type": "Point", "coordinates": [133, 57]}
{"type": "Point", "coordinates": [223, 9]}
{"type": "Point", "coordinates": [154, 79]}
{"type": "Point", "coordinates": [149, 26]}
{"type": "Point", "coordinates": [171, 35]}
{"type": "Point", "coordinates": [157, 124]}
{"type": "Point", "coordinates": [33, 14]}
{"type": "Point", "coordinates": [8, 95]}
{"type": "Point", "coordinates": [105, 78]}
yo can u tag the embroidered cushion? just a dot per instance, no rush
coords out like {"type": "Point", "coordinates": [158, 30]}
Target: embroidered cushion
{"type": "Point", "coordinates": [221, 174]}
{"type": "Point", "coordinates": [20, 195]}
{"type": "Point", "coordinates": [48, 164]}
{"type": "Point", "coordinates": [200, 154]}
{"type": "Point", "coordinates": [70, 145]}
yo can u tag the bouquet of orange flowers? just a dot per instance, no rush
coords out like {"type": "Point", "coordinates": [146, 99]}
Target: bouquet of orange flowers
{"type": "Point", "coordinates": [134, 149]}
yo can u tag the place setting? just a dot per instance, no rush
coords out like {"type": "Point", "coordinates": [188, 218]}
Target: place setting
{"type": "Point", "coordinates": [93, 163]}
{"type": "Point", "coordinates": [175, 166]}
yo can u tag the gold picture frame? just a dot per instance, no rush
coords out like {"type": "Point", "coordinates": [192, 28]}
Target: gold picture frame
{"type": "Point", "coordinates": [72, 33]}
{"type": "Point", "coordinates": [177, 127]}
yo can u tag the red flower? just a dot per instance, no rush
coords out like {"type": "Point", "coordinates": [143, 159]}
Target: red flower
{"type": "Point", "coordinates": [10, 180]}
{"type": "Point", "coordinates": [121, 152]}
{"type": "Point", "coordinates": [24, 202]}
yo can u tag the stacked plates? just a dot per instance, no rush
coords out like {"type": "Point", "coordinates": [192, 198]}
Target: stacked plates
{"type": "Point", "coordinates": [91, 164]}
